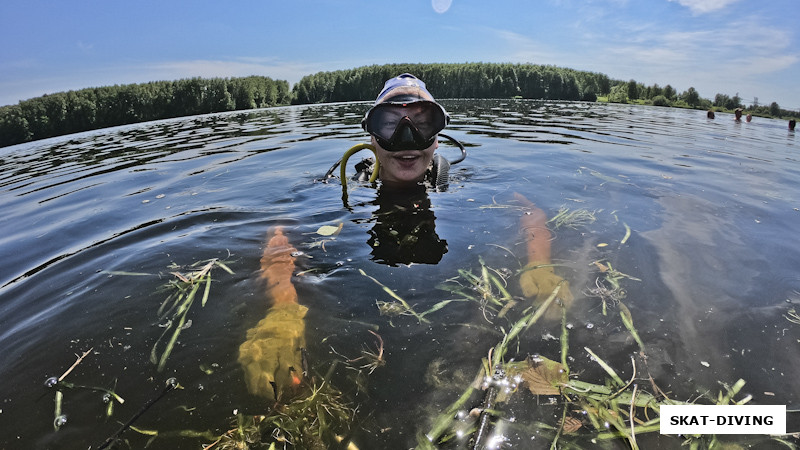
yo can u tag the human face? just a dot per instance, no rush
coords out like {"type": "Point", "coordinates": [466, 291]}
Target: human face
{"type": "Point", "coordinates": [404, 167]}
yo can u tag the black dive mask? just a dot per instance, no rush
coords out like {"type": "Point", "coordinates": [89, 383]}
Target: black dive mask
{"type": "Point", "coordinates": [405, 126]}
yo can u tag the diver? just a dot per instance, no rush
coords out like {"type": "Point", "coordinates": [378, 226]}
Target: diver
{"type": "Point", "coordinates": [404, 124]}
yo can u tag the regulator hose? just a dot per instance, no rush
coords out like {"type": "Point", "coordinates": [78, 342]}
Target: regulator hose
{"type": "Point", "coordinates": [460, 147]}
{"type": "Point", "coordinates": [355, 149]}
{"type": "Point", "coordinates": [343, 163]}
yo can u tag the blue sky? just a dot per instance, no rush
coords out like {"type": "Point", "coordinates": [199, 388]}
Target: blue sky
{"type": "Point", "coordinates": [716, 46]}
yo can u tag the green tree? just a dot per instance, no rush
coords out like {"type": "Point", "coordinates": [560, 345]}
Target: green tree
{"type": "Point", "coordinates": [691, 97]}
{"type": "Point", "coordinates": [660, 100]}
{"type": "Point", "coordinates": [633, 90]}
{"type": "Point", "coordinates": [619, 94]}
{"type": "Point", "coordinates": [735, 102]}
{"type": "Point", "coordinates": [669, 93]}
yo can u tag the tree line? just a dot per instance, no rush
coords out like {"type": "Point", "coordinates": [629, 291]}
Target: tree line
{"type": "Point", "coordinates": [87, 109]}
{"type": "Point", "coordinates": [633, 92]}
{"type": "Point", "coordinates": [484, 80]}
{"type": "Point", "coordinates": [471, 80]}
{"type": "Point", "coordinates": [93, 108]}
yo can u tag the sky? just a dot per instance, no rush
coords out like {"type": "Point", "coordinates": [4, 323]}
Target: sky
{"type": "Point", "coordinates": [745, 47]}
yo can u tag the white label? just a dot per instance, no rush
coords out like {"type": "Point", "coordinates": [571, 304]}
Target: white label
{"type": "Point", "coordinates": [725, 419]}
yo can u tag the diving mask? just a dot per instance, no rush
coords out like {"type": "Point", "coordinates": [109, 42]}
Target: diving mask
{"type": "Point", "coordinates": [411, 125]}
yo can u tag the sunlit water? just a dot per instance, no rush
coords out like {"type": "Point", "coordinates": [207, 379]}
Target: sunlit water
{"type": "Point", "coordinates": [94, 223]}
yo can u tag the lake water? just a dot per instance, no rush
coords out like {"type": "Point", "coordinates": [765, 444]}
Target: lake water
{"type": "Point", "coordinates": [94, 223]}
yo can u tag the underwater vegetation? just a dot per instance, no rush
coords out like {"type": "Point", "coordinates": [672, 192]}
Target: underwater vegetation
{"type": "Point", "coordinates": [325, 411]}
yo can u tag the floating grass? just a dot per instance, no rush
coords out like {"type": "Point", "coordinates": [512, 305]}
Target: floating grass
{"type": "Point", "coordinates": [575, 218]}
{"type": "Point", "coordinates": [400, 307]}
{"type": "Point", "coordinates": [488, 289]}
{"type": "Point", "coordinates": [609, 410]}
{"type": "Point", "coordinates": [608, 287]}
{"type": "Point", "coordinates": [319, 420]}
{"type": "Point", "coordinates": [370, 359]}
{"type": "Point", "coordinates": [792, 316]}
{"type": "Point", "coordinates": [584, 410]}
{"type": "Point", "coordinates": [175, 308]}
{"type": "Point", "coordinates": [60, 384]}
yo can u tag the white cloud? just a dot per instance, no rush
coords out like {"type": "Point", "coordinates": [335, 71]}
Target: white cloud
{"type": "Point", "coordinates": [664, 53]}
{"type": "Point", "coordinates": [84, 47]}
{"type": "Point", "coordinates": [705, 6]}
{"type": "Point", "coordinates": [520, 48]}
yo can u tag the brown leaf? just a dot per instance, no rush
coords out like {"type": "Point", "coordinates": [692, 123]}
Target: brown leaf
{"type": "Point", "coordinates": [571, 424]}
{"type": "Point", "coordinates": [544, 376]}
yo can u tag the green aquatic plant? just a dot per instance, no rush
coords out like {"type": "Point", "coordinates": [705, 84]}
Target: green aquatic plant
{"type": "Point", "coordinates": [605, 178]}
{"type": "Point", "coordinates": [607, 286]}
{"type": "Point", "coordinates": [495, 205]}
{"type": "Point", "coordinates": [566, 218]}
{"type": "Point", "coordinates": [400, 307]}
{"type": "Point", "coordinates": [612, 409]}
{"type": "Point", "coordinates": [371, 359]}
{"type": "Point", "coordinates": [488, 289]}
{"type": "Point", "coordinates": [110, 397]}
{"type": "Point", "coordinates": [319, 420]}
{"type": "Point", "coordinates": [175, 308]}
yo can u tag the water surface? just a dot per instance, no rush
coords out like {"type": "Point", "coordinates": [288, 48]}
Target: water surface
{"type": "Point", "coordinates": [94, 223]}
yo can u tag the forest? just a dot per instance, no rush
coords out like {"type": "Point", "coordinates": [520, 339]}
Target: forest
{"type": "Point", "coordinates": [93, 108]}
{"type": "Point", "coordinates": [473, 80]}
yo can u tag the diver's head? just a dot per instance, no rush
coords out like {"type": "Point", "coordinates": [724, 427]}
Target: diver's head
{"type": "Point", "coordinates": [404, 123]}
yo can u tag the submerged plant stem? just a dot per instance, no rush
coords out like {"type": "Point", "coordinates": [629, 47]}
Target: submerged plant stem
{"type": "Point", "coordinates": [180, 301]}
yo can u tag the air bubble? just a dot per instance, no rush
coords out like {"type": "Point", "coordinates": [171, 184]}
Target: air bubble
{"type": "Point", "coordinates": [60, 421]}
{"type": "Point", "coordinates": [50, 382]}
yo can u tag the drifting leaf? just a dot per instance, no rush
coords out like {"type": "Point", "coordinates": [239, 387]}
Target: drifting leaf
{"type": "Point", "coordinates": [544, 376]}
{"type": "Point", "coordinates": [330, 230]}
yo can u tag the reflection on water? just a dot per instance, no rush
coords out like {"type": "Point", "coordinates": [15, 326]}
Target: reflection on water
{"type": "Point", "coordinates": [404, 230]}
{"type": "Point", "coordinates": [94, 224]}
